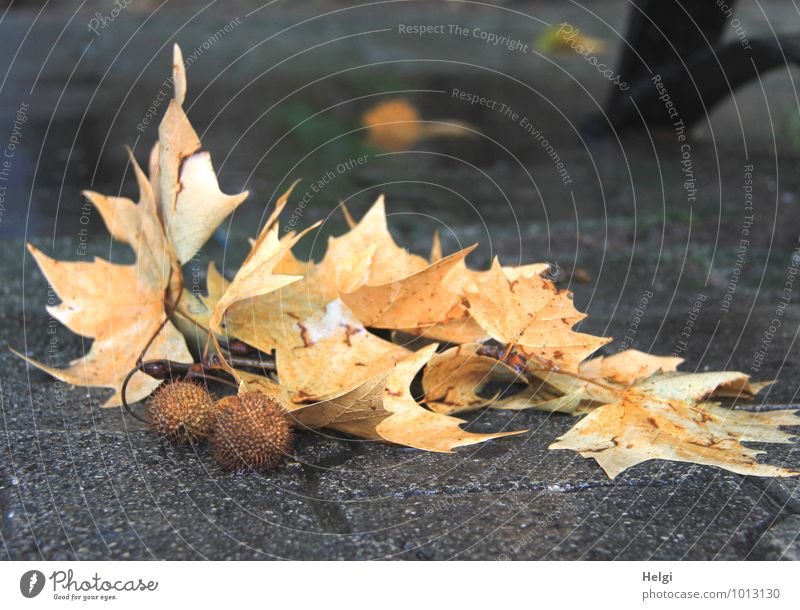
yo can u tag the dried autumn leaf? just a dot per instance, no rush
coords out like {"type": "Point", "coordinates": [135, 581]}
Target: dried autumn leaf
{"type": "Point", "coordinates": [338, 355]}
{"type": "Point", "coordinates": [454, 379]}
{"type": "Point", "coordinates": [415, 301]}
{"type": "Point", "coordinates": [119, 306]}
{"type": "Point", "coordinates": [462, 279]}
{"type": "Point", "coordinates": [192, 205]}
{"type": "Point", "coordinates": [661, 418]}
{"type": "Point", "coordinates": [395, 125]}
{"type": "Point", "coordinates": [535, 398]}
{"type": "Point", "coordinates": [357, 411]}
{"type": "Point", "coordinates": [601, 378]}
{"type": "Point", "coordinates": [254, 382]}
{"type": "Point", "coordinates": [532, 315]}
{"type": "Point", "coordinates": [412, 425]}
{"type": "Point", "coordinates": [288, 317]}
{"type": "Point", "coordinates": [275, 320]}
{"type": "Point", "coordinates": [461, 329]}
{"type": "Point", "coordinates": [367, 254]}
{"type": "Point", "coordinates": [381, 407]}
{"type": "Point", "coordinates": [385, 286]}
{"type": "Point", "coordinates": [628, 366]}
{"type": "Point", "coordinates": [256, 276]}
{"type": "Point", "coordinates": [280, 319]}
{"type": "Point", "coordinates": [290, 264]}
{"type": "Point", "coordinates": [456, 325]}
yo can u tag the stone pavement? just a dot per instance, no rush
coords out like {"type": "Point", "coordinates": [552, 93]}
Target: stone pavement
{"type": "Point", "coordinates": [80, 482]}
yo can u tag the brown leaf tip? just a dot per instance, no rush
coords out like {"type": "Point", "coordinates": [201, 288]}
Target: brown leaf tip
{"type": "Point", "coordinates": [181, 411]}
{"type": "Point", "coordinates": [251, 431]}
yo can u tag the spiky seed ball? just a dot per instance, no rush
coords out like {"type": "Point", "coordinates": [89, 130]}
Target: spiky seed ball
{"type": "Point", "coordinates": [251, 431]}
{"type": "Point", "coordinates": [181, 411]}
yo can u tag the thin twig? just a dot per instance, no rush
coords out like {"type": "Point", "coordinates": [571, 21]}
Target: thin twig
{"type": "Point", "coordinates": [124, 388]}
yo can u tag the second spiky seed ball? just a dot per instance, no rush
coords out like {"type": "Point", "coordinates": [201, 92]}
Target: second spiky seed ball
{"type": "Point", "coordinates": [251, 431]}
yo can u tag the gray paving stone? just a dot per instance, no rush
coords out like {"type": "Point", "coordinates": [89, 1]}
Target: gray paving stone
{"type": "Point", "coordinates": [481, 502]}
{"type": "Point", "coordinates": [704, 516]}
{"type": "Point", "coordinates": [780, 541]}
{"type": "Point", "coordinates": [108, 496]}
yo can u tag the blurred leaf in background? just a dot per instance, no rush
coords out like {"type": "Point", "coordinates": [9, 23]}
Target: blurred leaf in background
{"type": "Point", "coordinates": [395, 125]}
{"type": "Point", "coordinates": [563, 38]}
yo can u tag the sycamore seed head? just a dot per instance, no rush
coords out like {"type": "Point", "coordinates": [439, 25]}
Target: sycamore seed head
{"type": "Point", "coordinates": [251, 431]}
{"type": "Point", "coordinates": [181, 411]}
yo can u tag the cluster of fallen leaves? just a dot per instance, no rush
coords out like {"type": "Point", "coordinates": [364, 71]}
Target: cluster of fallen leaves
{"type": "Point", "coordinates": [500, 339]}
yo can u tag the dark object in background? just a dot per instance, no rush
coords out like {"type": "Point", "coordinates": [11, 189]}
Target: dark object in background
{"type": "Point", "coordinates": [680, 42]}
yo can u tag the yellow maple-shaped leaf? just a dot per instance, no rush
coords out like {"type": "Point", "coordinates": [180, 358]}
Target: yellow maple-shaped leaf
{"type": "Point", "coordinates": [280, 319]}
{"type": "Point", "coordinates": [290, 316]}
{"type": "Point", "coordinates": [123, 307]}
{"type": "Point", "coordinates": [454, 379]}
{"type": "Point", "coordinates": [192, 204]}
{"type": "Point", "coordinates": [457, 328]}
{"type": "Point", "coordinates": [289, 264]}
{"type": "Point", "coordinates": [119, 306]}
{"type": "Point", "coordinates": [532, 315]}
{"type": "Point", "coordinates": [274, 318]}
{"type": "Point", "coordinates": [338, 354]}
{"type": "Point", "coordinates": [663, 418]}
{"type": "Point", "coordinates": [357, 411]}
{"type": "Point", "coordinates": [462, 279]}
{"type": "Point", "coordinates": [418, 300]}
{"type": "Point", "coordinates": [254, 382]}
{"type": "Point", "coordinates": [410, 424]}
{"type": "Point", "coordinates": [256, 276]}
{"type": "Point", "coordinates": [367, 254]}
{"type": "Point", "coordinates": [601, 379]}
{"type": "Point", "coordinates": [454, 323]}
{"type": "Point", "coordinates": [540, 399]}
{"type": "Point", "coordinates": [382, 283]}
{"type": "Point", "coordinates": [382, 407]}
{"type": "Point", "coordinates": [629, 366]}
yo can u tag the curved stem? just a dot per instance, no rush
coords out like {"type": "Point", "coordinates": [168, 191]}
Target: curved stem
{"type": "Point", "coordinates": [124, 388]}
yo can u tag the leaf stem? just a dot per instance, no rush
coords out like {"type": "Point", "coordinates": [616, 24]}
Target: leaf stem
{"type": "Point", "coordinates": [580, 377]}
